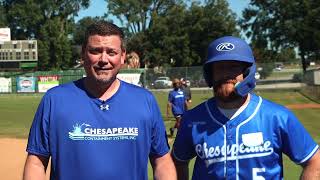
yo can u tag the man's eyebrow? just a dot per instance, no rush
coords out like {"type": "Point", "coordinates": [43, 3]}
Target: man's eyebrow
{"type": "Point", "coordinates": [92, 47]}
{"type": "Point", "coordinates": [98, 47]}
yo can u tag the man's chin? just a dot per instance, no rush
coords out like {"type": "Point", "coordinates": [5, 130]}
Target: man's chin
{"type": "Point", "coordinates": [102, 79]}
{"type": "Point", "coordinates": [228, 99]}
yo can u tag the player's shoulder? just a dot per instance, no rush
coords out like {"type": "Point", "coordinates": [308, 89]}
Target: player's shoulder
{"type": "Point", "coordinates": [200, 116]}
{"type": "Point", "coordinates": [172, 91]}
{"type": "Point", "coordinates": [266, 103]}
{"type": "Point", "coordinates": [135, 91]}
{"type": "Point", "coordinates": [66, 92]}
{"type": "Point", "coordinates": [65, 88]}
{"type": "Point", "coordinates": [134, 88]}
{"type": "Point", "coordinates": [269, 108]}
{"type": "Point", "coordinates": [198, 111]}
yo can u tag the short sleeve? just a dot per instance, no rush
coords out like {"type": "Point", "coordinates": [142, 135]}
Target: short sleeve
{"type": "Point", "coordinates": [297, 142]}
{"type": "Point", "coordinates": [159, 141]}
{"type": "Point", "coordinates": [38, 141]}
{"type": "Point", "coordinates": [183, 149]}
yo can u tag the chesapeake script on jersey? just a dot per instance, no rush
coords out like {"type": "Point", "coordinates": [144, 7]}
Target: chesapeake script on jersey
{"type": "Point", "coordinates": [86, 132]}
{"type": "Point", "coordinates": [232, 152]}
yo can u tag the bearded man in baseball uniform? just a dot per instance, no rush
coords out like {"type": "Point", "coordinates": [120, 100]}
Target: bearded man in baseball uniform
{"type": "Point", "coordinates": [238, 134]}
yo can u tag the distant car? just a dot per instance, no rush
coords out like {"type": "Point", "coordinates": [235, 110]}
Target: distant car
{"type": "Point", "coordinates": [162, 82]}
{"type": "Point", "coordinates": [278, 68]}
{"type": "Point", "coordinates": [257, 75]}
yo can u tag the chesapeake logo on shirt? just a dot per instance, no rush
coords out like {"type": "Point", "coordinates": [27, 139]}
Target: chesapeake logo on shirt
{"type": "Point", "coordinates": [252, 146]}
{"type": "Point", "coordinates": [86, 132]}
{"type": "Point", "coordinates": [179, 95]}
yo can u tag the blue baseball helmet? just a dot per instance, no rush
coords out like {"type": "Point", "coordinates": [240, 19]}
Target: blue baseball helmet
{"type": "Point", "coordinates": [229, 48]}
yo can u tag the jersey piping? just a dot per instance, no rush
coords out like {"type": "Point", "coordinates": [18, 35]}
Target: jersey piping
{"type": "Point", "coordinates": [237, 135]}
{"type": "Point", "coordinates": [311, 154]}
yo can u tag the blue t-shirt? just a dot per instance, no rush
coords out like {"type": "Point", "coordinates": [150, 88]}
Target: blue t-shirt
{"type": "Point", "coordinates": [250, 146]}
{"type": "Point", "coordinates": [177, 100]}
{"type": "Point", "coordinates": [91, 139]}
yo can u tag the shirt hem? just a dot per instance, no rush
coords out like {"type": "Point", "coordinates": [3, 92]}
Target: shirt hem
{"type": "Point", "coordinates": [309, 155]}
{"type": "Point", "coordinates": [179, 159]}
{"type": "Point", "coordinates": [34, 152]}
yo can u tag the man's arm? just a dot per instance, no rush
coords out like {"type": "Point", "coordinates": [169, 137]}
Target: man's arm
{"type": "Point", "coordinates": [311, 170]}
{"type": "Point", "coordinates": [186, 104]}
{"type": "Point", "coordinates": [182, 168]}
{"type": "Point", "coordinates": [168, 108]}
{"type": "Point", "coordinates": [163, 168]}
{"type": "Point", "coordinates": [35, 167]}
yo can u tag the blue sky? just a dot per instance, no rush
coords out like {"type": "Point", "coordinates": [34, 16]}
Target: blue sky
{"type": "Point", "coordinates": [98, 8]}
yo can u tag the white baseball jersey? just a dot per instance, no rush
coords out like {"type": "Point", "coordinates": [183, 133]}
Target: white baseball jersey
{"type": "Point", "coordinates": [249, 146]}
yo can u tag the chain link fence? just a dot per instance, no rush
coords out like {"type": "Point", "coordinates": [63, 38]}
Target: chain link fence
{"type": "Point", "coordinates": [269, 76]}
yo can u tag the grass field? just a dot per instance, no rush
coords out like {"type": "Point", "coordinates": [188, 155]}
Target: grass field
{"type": "Point", "coordinates": [17, 111]}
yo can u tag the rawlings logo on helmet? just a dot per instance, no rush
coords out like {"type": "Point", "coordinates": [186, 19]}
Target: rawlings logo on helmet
{"type": "Point", "coordinates": [225, 46]}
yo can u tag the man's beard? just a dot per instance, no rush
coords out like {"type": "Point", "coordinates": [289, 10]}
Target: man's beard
{"type": "Point", "coordinates": [224, 90]}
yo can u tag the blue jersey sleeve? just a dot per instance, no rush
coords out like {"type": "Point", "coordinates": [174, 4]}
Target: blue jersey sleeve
{"type": "Point", "coordinates": [297, 142]}
{"type": "Point", "coordinates": [159, 141]}
{"type": "Point", "coordinates": [183, 149]}
{"type": "Point", "coordinates": [38, 142]}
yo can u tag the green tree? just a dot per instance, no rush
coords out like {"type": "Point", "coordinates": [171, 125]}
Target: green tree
{"type": "Point", "coordinates": [287, 55]}
{"type": "Point", "coordinates": [135, 15]}
{"type": "Point", "coordinates": [168, 38]}
{"type": "Point", "coordinates": [50, 23]}
{"type": "Point", "coordinates": [206, 23]}
{"type": "Point", "coordinates": [282, 24]}
{"type": "Point", "coordinates": [178, 34]}
{"type": "Point", "coordinates": [80, 28]}
{"type": "Point", "coordinates": [181, 36]}
{"type": "Point", "coordinates": [3, 22]}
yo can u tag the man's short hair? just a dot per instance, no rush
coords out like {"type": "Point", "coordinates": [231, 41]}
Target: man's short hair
{"type": "Point", "coordinates": [103, 28]}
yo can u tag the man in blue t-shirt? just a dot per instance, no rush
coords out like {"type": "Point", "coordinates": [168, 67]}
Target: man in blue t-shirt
{"type": "Point", "coordinates": [99, 127]}
{"type": "Point", "coordinates": [177, 103]}
{"type": "Point", "coordinates": [237, 134]}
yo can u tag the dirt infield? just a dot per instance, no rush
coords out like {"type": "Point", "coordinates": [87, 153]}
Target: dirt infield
{"type": "Point", "coordinates": [13, 155]}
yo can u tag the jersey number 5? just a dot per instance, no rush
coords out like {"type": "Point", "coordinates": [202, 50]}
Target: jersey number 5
{"type": "Point", "coordinates": [255, 172]}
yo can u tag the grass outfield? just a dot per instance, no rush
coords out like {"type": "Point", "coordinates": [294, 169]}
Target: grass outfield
{"type": "Point", "coordinates": [17, 111]}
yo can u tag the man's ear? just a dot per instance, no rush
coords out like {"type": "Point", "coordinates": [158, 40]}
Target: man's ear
{"type": "Point", "coordinates": [123, 56]}
{"type": "Point", "coordinates": [83, 53]}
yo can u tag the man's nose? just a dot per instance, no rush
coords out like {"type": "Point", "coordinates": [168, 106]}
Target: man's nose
{"type": "Point", "coordinates": [104, 57]}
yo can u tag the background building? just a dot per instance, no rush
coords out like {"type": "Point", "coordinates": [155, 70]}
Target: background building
{"type": "Point", "coordinates": [17, 54]}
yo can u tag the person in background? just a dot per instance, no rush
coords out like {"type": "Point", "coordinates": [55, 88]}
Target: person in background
{"type": "Point", "coordinates": [238, 134]}
{"type": "Point", "coordinates": [186, 90]}
{"type": "Point", "coordinates": [99, 127]}
{"type": "Point", "coordinates": [176, 103]}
